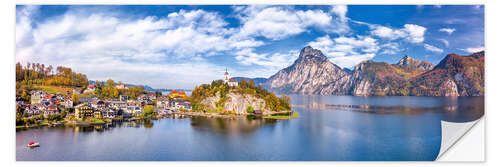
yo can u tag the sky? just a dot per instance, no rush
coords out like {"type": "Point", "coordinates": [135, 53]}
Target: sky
{"type": "Point", "coordinates": [173, 46]}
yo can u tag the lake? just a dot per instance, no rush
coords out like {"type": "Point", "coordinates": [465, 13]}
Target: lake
{"type": "Point", "coordinates": [330, 128]}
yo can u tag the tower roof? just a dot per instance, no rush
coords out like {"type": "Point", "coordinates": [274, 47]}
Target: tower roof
{"type": "Point", "coordinates": [226, 73]}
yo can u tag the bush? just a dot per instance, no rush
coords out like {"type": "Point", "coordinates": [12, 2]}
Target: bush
{"type": "Point", "coordinates": [250, 109]}
{"type": "Point", "coordinates": [148, 109]}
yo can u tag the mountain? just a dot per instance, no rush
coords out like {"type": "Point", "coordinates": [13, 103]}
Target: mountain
{"type": "Point", "coordinates": [379, 78]}
{"type": "Point", "coordinates": [455, 75]}
{"type": "Point", "coordinates": [257, 81]}
{"type": "Point", "coordinates": [311, 73]}
{"type": "Point", "coordinates": [409, 62]}
{"type": "Point", "coordinates": [347, 70]}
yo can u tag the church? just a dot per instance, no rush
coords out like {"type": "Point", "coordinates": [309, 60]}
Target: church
{"type": "Point", "coordinates": [229, 81]}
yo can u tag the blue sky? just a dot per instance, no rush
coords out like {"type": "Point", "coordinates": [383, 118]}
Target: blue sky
{"type": "Point", "coordinates": [183, 46]}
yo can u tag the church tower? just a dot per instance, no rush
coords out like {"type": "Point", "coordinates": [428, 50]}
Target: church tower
{"type": "Point", "coordinates": [226, 77]}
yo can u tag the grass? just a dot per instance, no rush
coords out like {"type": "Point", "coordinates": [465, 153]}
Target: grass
{"type": "Point", "coordinates": [95, 120]}
{"type": "Point", "coordinates": [283, 116]}
{"type": "Point", "coordinates": [53, 89]}
{"type": "Point", "coordinates": [214, 111]}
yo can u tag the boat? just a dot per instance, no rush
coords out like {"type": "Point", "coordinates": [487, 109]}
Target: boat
{"type": "Point", "coordinates": [33, 144]}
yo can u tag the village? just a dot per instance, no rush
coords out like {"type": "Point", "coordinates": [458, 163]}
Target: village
{"type": "Point", "coordinates": [56, 108]}
{"type": "Point", "coordinates": [82, 106]}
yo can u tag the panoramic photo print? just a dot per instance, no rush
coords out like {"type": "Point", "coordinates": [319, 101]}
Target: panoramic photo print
{"type": "Point", "coordinates": [244, 82]}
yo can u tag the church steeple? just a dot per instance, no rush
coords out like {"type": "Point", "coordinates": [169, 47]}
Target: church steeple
{"type": "Point", "coordinates": [226, 76]}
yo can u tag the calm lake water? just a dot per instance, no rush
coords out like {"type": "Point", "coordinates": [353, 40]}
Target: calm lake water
{"type": "Point", "coordinates": [399, 128]}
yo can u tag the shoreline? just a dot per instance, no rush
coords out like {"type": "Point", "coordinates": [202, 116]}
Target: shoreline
{"type": "Point", "coordinates": [218, 115]}
{"type": "Point", "coordinates": [265, 115]}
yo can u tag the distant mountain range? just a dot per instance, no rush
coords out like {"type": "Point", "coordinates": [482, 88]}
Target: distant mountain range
{"type": "Point", "coordinates": [313, 73]}
{"type": "Point", "coordinates": [146, 87]}
{"type": "Point", "coordinates": [150, 89]}
{"type": "Point", "coordinates": [257, 81]}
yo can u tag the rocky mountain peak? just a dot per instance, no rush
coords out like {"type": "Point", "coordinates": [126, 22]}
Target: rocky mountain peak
{"type": "Point", "coordinates": [309, 74]}
{"type": "Point", "coordinates": [449, 61]}
{"type": "Point", "coordinates": [478, 54]}
{"type": "Point", "coordinates": [405, 60]}
{"type": "Point", "coordinates": [409, 62]}
{"type": "Point", "coordinates": [309, 53]}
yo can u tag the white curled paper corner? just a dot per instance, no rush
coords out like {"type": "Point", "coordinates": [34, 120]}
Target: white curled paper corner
{"type": "Point", "coordinates": [451, 132]}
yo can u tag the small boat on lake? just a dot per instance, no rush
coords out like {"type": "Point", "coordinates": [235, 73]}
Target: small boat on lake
{"type": "Point", "coordinates": [33, 144]}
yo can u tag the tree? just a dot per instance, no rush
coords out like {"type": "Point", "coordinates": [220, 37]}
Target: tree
{"type": "Point", "coordinates": [250, 109]}
{"type": "Point", "coordinates": [75, 98]}
{"type": "Point", "coordinates": [110, 83]}
{"type": "Point", "coordinates": [148, 109]}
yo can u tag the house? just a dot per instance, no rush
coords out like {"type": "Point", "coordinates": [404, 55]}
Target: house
{"type": "Point", "coordinates": [229, 81]}
{"type": "Point", "coordinates": [142, 97]}
{"type": "Point", "coordinates": [84, 111]}
{"type": "Point", "coordinates": [133, 103]}
{"type": "Point", "coordinates": [50, 110]}
{"type": "Point", "coordinates": [87, 99]}
{"type": "Point", "coordinates": [180, 103]}
{"type": "Point", "coordinates": [146, 102]}
{"type": "Point", "coordinates": [40, 106]}
{"type": "Point", "coordinates": [123, 97]}
{"type": "Point", "coordinates": [117, 105]}
{"type": "Point", "coordinates": [120, 85]}
{"type": "Point", "coordinates": [258, 113]}
{"type": "Point", "coordinates": [37, 96]}
{"type": "Point", "coordinates": [90, 88]}
{"type": "Point", "coordinates": [134, 110]}
{"type": "Point", "coordinates": [59, 97]}
{"type": "Point", "coordinates": [152, 96]}
{"type": "Point", "coordinates": [233, 82]}
{"type": "Point", "coordinates": [98, 113]}
{"type": "Point", "coordinates": [68, 103]}
{"type": "Point", "coordinates": [32, 110]}
{"type": "Point", "coordinates": [162, 102]}
{"type": "Point", "coordinates": [99, 104]}
{"type": "Point", "coordinates": [19, 100]}
{"type": "Point", "coordinates": [77, 91]}
{"type": "Point", "coordinates": [109, 113]}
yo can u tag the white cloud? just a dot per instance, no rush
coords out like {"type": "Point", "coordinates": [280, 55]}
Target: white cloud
{"type": "Point", "coordinates": [161, 52]}
{"type": "Point", "coordinates": [340, 11]}
{"type": "Point", "coordinates": [445, 42]}
{"type": "Point", "coordinates": [432, 48]}
{"type": "Point", "coordinates": [346, 51]}
{"type": "Point", "coordinates": [447, 30]}
{"type": "Point", "coordinates": [249, 57]}
{"type": "Point", "coordinates": [23, 24]}
{"type": "Point", "coordinates": [270, 63]}
{"type": "Point", "coordinates": [474, 49]}
{"type": "Point", "coordinates": [390, 48]}
{"type": "Point", "coordinates": [410, 32]}
{"type": "Point", "coordinates": [415, 33]}
{"type": "Point", "coordinates": [280, 22]}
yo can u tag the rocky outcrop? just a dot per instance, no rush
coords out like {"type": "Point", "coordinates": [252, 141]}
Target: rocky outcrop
{"type": "Point", "coordinates": [409, 62]}
{"type": "Point", "coordinates": [235, 102]}
{"type": "Point", "coordinates": [448, 88]}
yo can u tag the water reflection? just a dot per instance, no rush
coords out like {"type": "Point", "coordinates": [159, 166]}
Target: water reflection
{"type": "Point", "coordinates": [453, 109]}
{"type": "Point", "coordinates": [231, 126]}
{"type": "Point", "coordinates": [110, 126]}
